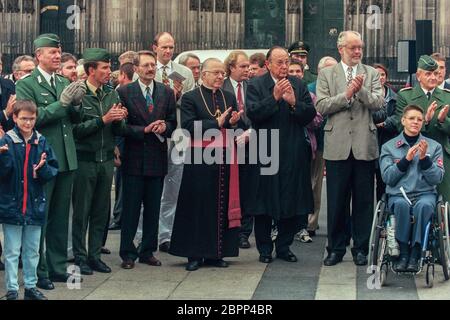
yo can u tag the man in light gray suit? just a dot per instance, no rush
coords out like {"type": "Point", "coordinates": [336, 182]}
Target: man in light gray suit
{"type": "Point", "coordinates": [237, 66]}
{"type": "Point", "coordinates": [348, 94]}
{"type": "Point", "coordinates": [164, 46]}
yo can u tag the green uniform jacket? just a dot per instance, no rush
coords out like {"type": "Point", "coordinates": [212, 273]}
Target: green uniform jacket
{"type": "Point", "coordinates": [309, 77]}
{"type": "Point", "coordinates": [54, 121]}
{"type": "Point", "coordinates": [94, 140]}
{"type": "Point", "coordinates": [434, 130]}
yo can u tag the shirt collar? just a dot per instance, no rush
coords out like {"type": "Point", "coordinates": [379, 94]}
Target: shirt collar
{"type": "Point", "coordinates": [144, 87]}
{"type": "Point", "coordinates": [354, 69]}
{"type": "Point", "coordinates": [91, 87]}
{"type": "Point", "coordinates": [426, 91]}
{"type": "Point", "coordinates": [234, 83]}
{"type": "Point", "coordinates": [47, 76]}
{"type": "Point", "coordinates": [168, 66]}
{"type": "Point", "coordinates": [442, 85]}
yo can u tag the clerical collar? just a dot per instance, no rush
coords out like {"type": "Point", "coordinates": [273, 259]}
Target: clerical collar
{"type": "Point", "coordinates": [208, 88]}
{"type": "Point", "coordinates": [47, 76]}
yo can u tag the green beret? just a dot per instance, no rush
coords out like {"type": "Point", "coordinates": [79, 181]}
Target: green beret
{"type": "Point", "coordinates": [47, 40]}
{"type": "Point", "coordinates": [427, 63]}
{"type": "Point", "coordinates": [96, 55]}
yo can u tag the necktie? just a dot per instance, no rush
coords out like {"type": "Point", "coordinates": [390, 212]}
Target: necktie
{"type": "Point", "coordinates": [52, 83]}
{"type": "Point", "coordinates": [149, 100]}
{"type": "Point", "coordinates": [349, 75]}
{"type": "Point", "coordinates": [165, 78]}
{"type": "Point", "coordinates": [240, 99]}
{"type": "Point", "coordinates": [98, 92]}
{"type": "Point", "coordinates": [429, 95]}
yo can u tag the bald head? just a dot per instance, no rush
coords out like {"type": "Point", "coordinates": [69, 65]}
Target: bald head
{"type": "Point", "coordinates": [164, 47]}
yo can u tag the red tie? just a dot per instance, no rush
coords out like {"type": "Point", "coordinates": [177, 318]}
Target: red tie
{"type": "Point", "coordinates": [240, 100]}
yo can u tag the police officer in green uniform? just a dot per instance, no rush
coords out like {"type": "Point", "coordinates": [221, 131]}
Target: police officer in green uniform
{"type": "Point", "coordinates": [103, 117]}
{"type": "Point", "coordinates": [58, 108]}
{"type": "Point", "coordinates": [299, 51]}
{"type": "Point", "coordinates": [434, 102]}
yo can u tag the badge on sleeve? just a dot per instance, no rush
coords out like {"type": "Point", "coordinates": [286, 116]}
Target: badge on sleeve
{"type": "Point", "coordinates": [440, 162]}
{"type": "Point", "coordinates": [399, 143]}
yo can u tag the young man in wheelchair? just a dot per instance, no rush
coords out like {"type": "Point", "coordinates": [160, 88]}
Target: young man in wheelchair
{"type": "Point", "coordinates": [413, 163]}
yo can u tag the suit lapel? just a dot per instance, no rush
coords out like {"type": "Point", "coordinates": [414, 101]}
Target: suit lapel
{"type": "Point", "coordinates": [59, 86]}
{"type": "Point", "coordinates": [139, 101]}
{"type": "Point", "coordinates": [341, 80]}
{"type": "Point", "coordinates": [43, 83]}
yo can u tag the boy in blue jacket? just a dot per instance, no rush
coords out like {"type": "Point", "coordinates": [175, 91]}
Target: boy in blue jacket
{"type": "Point", "coordinates": [27, 162]}
{"type": "Point", "coordinates": [411, 166]}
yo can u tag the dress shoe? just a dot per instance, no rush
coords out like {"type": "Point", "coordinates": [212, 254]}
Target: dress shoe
{"type": "Point", "coordinates": [2, 266]}
{"type": "Point", "coordinates": [413, 265]}
{"type": "Point", "coordinates": [193, 265]}
{"type": "Point", "coordinates": [105, 251]}
{"type": "Point", "coordinates": [63, 278]}
{"type": "Point", "coordinates": [151, 261]}
{"type": "Point", "coordinates": [34, 294]}
{"type": "Point", "coordinates": [244, 243]}
{"type": "Point", "coordinates": [127, 264]}
{"type": "Point", "coordinates": [45, 284]}
{"type": "Point", "coordinates": [332, 259]}
{"type": "Point", "coordinates": [12, 296]}
{"type": "Point", "coordinates": [217, 263]}
{"type": "Point", "coordinates": [164, 247]}
{"type": "Point", "coordinates": [401, 264]}
{"type": "Point", "coordinates": [85, 269]}
{"type": "Point", "coordinates": [312, 233]}
{"type": "Point", "coordinates": [114, 226]}
{"type": "Point", "coordinates": [360, 259]}
{"type": "Point", "coordinates": [99, 266]}
{"type": "Point", "coordinates": [288, 256]}
{"type": "Point", "coordinates": [265, 259]}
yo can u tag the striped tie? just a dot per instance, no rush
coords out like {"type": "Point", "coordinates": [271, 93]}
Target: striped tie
{"type": "Point", "coordinates": [165, 78]}
{"type": "Point", "coordinates": [349, 75]}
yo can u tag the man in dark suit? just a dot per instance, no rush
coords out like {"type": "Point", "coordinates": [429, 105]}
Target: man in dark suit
{"type": "Point", "coordinates": [281, 104]}
{"type": "Point", "coordinates": [348, 94]}
{"type": "Point", "coordinates": [237, 67]}
{"type": "Point", "coordinates": [7, 100]}
{"type": "Point", "coordinates": [151, 120]}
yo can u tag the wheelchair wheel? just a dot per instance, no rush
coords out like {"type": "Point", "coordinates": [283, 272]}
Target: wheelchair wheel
{"type": "Point", "coordinates": [429, 277]}
{"type": "Point", "coordinates": [443, 238]}
{"type": "Point", "coordinates": [378, 235]}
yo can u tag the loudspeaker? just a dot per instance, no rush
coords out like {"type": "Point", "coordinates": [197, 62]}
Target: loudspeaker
{"type": "Point", "coordinates": [424, 37]}
{"type": "Point", "coordinates": [407, 59]}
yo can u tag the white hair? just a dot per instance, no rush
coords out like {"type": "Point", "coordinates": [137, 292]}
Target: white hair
{"type": "Point", "coordinates": [342, 39]}
{"type": "Point", "coordinates": [323, 62]}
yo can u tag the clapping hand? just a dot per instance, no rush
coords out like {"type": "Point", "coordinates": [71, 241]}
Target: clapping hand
{"type": "Point", "coordinates": [412, 152]}
{"type": "Point", "coordinates": [235, 116]}
{"type": "Point", "coordinates": [116, 113]}
{"type": "Point", "coordinates": [355, 86]}
{"type": "Point", "coordinates": [223, 117]}
{"type": "Point", "coordinates": [423, 148]}
{"type": "Point", "coordinates": [430, 112]}
{"type": "Point", "coordinates": [10, 105]}
{"type": "Point", "coordinates": [39, 165]}
{"type": "Point", "coordinates": [283, 90]}
{"type": "Point", "coordinates": [4, 149]}
{"type": "Point", "coordinates": [2, 132]}
{"type": "Point", "coordinates": [443, 114]}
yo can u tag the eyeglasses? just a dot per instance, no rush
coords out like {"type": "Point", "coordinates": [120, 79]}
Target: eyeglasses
{"type": "Point", "coordinates": [27, 120]}
{"type": "Point", "coordinates": [216, 73]}
{"type": "Point", "coordinates": [360, 48]}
